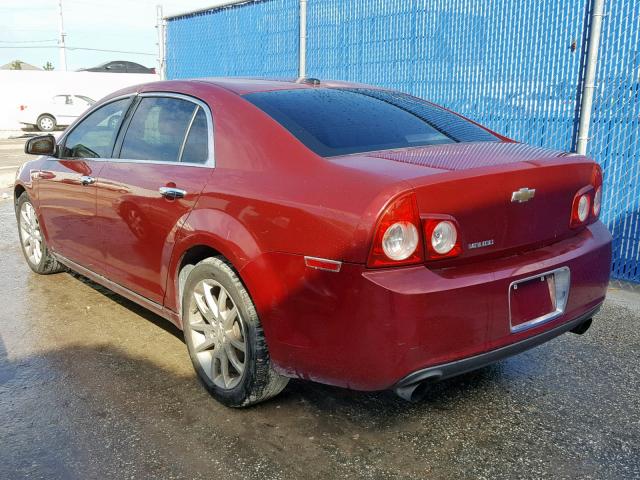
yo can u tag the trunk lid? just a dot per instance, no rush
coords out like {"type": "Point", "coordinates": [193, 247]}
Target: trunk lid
{"type": "Point", "coordinates": [475, 183]}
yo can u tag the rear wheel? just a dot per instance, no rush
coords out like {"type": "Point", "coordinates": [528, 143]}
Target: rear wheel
{"type": "Point", "coordinates": [32, 241]}
{"type": "Point", "coordinates": [224, 337]}
{"type": "Point", "coordinates": [46, 123]}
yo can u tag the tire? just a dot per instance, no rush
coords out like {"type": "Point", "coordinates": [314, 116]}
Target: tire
{"type": "Point", "coordinates": [46, 123]}
{"type": "Point", "coordinates": [32, 242]}
{"type": "Point", "coordinates": [207, 332]}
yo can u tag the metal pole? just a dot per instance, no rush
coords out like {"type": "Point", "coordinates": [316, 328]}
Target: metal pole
{"type": "Point", "coordinates": [161, 44]}
{"type": "Point", "coordinates": [302, 60]}
{"type": "Point", "coordinates": [588, 86]}
{"type": "Point", "coordinates": [63, 51]}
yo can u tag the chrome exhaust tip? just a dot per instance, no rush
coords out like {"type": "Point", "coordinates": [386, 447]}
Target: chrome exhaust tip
{"type": "Point", "coordinates": [583, 327]}
{"type": "Point", "coordinates": [416, 391]}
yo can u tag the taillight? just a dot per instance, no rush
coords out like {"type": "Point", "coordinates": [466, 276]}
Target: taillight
{"type": "Point", "coordinates": [582, 211]}
{"type": "Point", "coordinates": [23, 107]}
{"type": "Point", "coordinates": [596, 181]}
{"type": "Point", "coordinates": [581, 207]}
{"type": "Point", "coordinates": [397, 236]}
{"type": "Point", "coordinates": [587, 203]}
{"type": "Point", "coordinates": [441, 238]}
{"type": "Point", "coordinates": [597, 202]}
{"type": "Point", "coordinates": [400, 240]}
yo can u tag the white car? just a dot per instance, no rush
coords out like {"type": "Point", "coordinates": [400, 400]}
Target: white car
{"type": "Point", "coordinates": [59, 111]}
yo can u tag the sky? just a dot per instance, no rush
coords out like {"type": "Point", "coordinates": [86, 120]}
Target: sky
{"type": "Point", "coordinates": [101, 24]}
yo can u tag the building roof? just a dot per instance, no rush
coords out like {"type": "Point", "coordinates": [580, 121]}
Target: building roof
{"type": "Point", "coordinates": [23, 66]}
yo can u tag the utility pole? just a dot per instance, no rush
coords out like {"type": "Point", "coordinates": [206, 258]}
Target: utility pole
{"type": "Point", "coordinates": [63, 51]}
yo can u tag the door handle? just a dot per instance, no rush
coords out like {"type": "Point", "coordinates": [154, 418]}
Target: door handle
{"type": "Point", "coordinates": [44, 175]}
{"type": "Point", "coordinates": [86, 180]}
{"type": "Point", "coordinates": [172, 193]}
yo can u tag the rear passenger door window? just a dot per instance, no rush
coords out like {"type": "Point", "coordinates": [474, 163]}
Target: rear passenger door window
{"type": "Point", "coordinates": [157, 129]}
{"type": "Point", "coordinates": [196, 145]}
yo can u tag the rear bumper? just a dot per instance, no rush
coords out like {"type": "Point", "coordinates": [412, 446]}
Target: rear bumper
{"type": "Point", "coordinates": [447, 370]}
{"type": "Point", "coordinates": [371, 329]}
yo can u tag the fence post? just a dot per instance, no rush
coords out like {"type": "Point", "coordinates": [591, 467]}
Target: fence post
{"type": "Point", "coordinates": [588, 85]}
{"type": "Point", "coordinates": [160, 23]}
{"type": "Point", "coordinates": [302, 59]}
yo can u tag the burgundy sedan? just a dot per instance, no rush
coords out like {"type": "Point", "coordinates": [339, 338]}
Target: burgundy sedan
{"type": "Point", "coordinates": [335, 232]}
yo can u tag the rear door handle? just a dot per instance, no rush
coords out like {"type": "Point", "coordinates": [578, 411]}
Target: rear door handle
{"type": "Point", "coordinates": [172, 193]}
{"type": "Point", "coordinates": [86, 180]}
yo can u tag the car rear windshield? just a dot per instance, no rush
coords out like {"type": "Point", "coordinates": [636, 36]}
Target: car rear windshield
{"type": "Point", "coordinates": [338, 121]}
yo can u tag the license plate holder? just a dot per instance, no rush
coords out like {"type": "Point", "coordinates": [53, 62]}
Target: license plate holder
{"type": "Point", "coordinates": [538, 299]}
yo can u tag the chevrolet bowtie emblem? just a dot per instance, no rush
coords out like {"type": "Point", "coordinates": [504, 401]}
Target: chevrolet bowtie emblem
{"type": "Point", "coordinates": [523, 195]}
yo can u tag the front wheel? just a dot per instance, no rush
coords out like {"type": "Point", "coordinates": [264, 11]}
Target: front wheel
{"type": "Point", "coordinates": [46, 123]}
{"type": "Point", "coordinates": [32, 241]}
{"type": "Point", "coordinates": [224, 336]}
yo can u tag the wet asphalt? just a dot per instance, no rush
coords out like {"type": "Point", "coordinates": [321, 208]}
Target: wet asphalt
{"type": "Point", "coordinates": [93, 386]}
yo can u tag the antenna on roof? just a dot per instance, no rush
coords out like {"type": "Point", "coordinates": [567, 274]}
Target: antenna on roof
{"type": "Point", "coordinates": [308, 81]}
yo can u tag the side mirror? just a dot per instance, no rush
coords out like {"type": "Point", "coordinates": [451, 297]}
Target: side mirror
{"type": "Point", "coordinates": [42, 145]}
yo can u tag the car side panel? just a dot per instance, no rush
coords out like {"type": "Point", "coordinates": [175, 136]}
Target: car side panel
{"type": "Point", "coordinates": [139, 224]}
{"type": "Point", "coordinates": [67, 208]}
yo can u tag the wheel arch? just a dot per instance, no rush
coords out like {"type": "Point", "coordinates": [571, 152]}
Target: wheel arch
{"type": "Point", "coordinates": [197, 241]}
{"type": "Point", "coordinates": [18, 190]}
{"type": "Point", "coordinates": [189, 259]}
{"type": "Point", "coordinates": [47, 114]}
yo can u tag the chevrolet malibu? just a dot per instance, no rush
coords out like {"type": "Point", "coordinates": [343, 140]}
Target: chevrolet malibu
{"type": "Point", "coordinates": [334, 232]}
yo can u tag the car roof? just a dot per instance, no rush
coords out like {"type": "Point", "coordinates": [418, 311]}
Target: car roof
{"type": "Point", "coordinates": [237, 85]}
{"type": "Point", "coordinates": [242, 86]}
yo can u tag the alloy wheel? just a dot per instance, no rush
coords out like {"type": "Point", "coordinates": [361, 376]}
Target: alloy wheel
{"type": "Point", "coordinates": [218, 334]}
{"type": "Point", "coordinates": [30, 233]}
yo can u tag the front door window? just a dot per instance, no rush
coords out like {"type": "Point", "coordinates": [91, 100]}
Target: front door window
{"type": "Point", "coordinates": [95, 135]}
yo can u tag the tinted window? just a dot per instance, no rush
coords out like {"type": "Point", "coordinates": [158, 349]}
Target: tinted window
{"type": "Point", "coordinates": [157, 129]}
{"type": "Point", "coordinates": [196, 147]}
{"type": "Point", "coordinates": [341, 121]}
{"type": "Point", "coordinates": [94, 136]}
{"type": "Point", "coordinates": [449, 123]}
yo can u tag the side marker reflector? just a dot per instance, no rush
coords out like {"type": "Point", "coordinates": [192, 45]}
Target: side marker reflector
{"type": "Point", "coordinates": [322, 264]}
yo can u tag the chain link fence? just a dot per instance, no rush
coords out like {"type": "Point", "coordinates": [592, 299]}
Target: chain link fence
{"type": "Point", "coordinates": [516, 67]}
{"type": "Point", "coordinates": [251, 39]}
{"type": "Point", "coordinates": [615, 132]}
